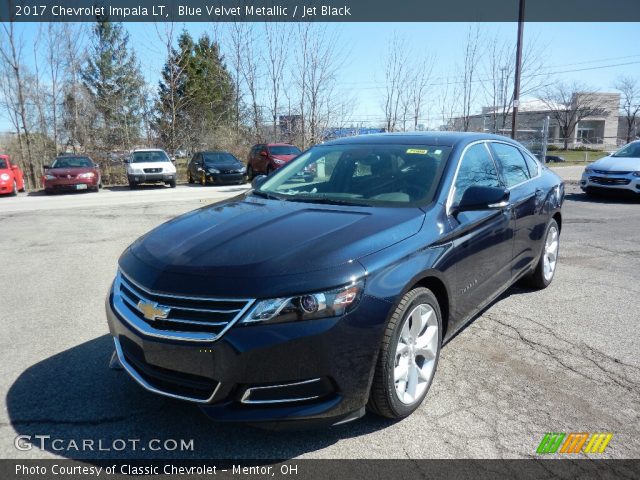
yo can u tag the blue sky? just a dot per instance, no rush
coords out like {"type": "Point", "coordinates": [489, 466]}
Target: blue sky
{"type": "Point", "coordinates": [600, 51]}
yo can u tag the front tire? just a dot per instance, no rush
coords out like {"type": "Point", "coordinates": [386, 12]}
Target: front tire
{"type": "Point", "coordinates": [545, 270]}
{"type": "Point", "coordinates": [408, 356]}
{"type": "Point", "coordinates": [15, 189]}
{"type": "Point", "coordinates": [172, 184]}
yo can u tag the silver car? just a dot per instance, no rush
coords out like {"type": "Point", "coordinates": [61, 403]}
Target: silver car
{"type": "Point", "coordinates": [619, 171]}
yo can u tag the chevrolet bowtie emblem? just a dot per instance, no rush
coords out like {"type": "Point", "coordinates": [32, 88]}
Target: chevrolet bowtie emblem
{"type": "Point", "coordinates": [153, 311]}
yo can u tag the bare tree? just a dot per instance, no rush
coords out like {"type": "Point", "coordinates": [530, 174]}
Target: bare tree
{"type": "Point", "coordinates": [417, 87]}
{"type": "Point", "coordinates": [469, 68]}
{"type": "Point", "coordinates": [237, 34]}
{"type": "Point", "coordinates": [448, 103]}
{"type": "Point", "coordinates": [277, 44]}
{"type": "Point", "coordinates": [569, 104]}
{"type": "Point", "coordinates": [630, 91]}
{"type": "Point", "coordinates": [394, 103]}
{"type": "Point", "coordinates": [11, 59]}
{"type": "Point", "coordinates": [251, 72]}
{"type": "Point", "coordinates": [498, 77]}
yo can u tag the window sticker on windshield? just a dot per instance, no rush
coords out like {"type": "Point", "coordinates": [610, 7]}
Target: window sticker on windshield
{"type": "Point", "coordinates": [417, 151]}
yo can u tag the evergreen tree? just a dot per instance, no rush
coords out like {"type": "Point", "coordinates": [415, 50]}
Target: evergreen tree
{"type": "Point", "coordinates": [195, 94]}
{"type": "Point", "coordinates": [112, 76]}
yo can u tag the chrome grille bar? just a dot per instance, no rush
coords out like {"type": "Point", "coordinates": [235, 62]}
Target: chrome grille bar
{"type": "Point", "coordinates": [176, 325]}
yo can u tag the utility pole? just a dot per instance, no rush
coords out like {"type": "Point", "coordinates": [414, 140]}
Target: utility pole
{"type": "Point", "coordinates": [516, 89]}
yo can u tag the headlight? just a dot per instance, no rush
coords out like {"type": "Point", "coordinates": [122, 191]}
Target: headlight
{"type": "Point", "coordinates": [48, 176]}
{"type": "Point", "coordinates": [87, 175]}
{"type": "Point", "coordinates": [636, 174]}
{"type": "Point", "coordinates": [5, 177]}
{"type": "Point", "coordinates": [588, 171]}
{"type": "Point", "coordinates": [136, 171]}
{"type": "Point", "coordinates": [243, 170]}
{"type": "Point", "coordinates": [214, 170]}
{"type": "Point", "coordinates": [332, 303]}
{"type": "Point", "coordinates": [278, 162]}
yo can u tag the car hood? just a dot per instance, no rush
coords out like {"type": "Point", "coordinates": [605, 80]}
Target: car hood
{"type": "Point", "coordinates": [224, 167]}
{"type": "Point", "coordinates": [252, 237]}
{"type": "Point", "coordinates": [618, 164]}
{"type": "Point", "coordinates": [284, 158]}
{"type": "Point", "coordinates": [70, 171]}
{"type": "Point", "coordinates": [140, 165]}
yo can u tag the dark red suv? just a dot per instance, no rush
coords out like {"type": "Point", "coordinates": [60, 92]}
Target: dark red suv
{"type": "Point", "coordinates": [264, 158]}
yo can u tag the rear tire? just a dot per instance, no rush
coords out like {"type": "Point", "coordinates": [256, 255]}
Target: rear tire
{"type": "Point", "coordinates": [408, 356]}
{"type": "Point", "coordinates": [545, 270]}
{"type": "Point", "coordinates": [249, 173]}
{"type": "Point", "coordinates": [133, 185]}
{"type": "Point", "coordinates": [190, 179]}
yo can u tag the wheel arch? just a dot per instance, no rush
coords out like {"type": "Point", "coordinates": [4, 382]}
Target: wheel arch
{"type": "Point", "coordinates": [433, 282]}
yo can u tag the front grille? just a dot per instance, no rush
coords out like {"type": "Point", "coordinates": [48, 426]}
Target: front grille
{"type": "Point", "coordinates": [152, 170]}
{"type": "Point", "coordinates": [609, 181]}
{"type": "Point", "coordinates": [174, 316]}
{"type": "Point", "coordinates": [610, 172]}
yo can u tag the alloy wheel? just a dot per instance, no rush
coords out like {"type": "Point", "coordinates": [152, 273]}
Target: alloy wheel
{"type": "Point", "coordinates": [416, 353]}
{"type": "Point", "coordinates": [550, 253]}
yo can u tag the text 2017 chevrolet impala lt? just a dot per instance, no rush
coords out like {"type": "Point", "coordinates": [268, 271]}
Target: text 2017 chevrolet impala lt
{"type": "Point", "coordinates": [311, 301]}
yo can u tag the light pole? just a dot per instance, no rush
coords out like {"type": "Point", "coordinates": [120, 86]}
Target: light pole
{"type": "Point", "coordinates": [516, 88]}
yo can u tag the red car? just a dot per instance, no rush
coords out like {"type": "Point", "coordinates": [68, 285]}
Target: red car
{"type": "Point", "coordinates": [11, 177]}
{"type": "Point", "coordinates": [71, 173]}
{"type": "Point", "coordinates": [264, 158]}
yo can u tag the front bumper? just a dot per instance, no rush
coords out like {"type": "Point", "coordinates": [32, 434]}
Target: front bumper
{"type": "Point", "coordinates": [626, 183]}
{"type": "Point", "coordinates": [6, 188]}
{"type": "Point", "coordinates": [226, 177]}
{"type": "Point", "coordinates": [70, 184]}
{"type": "Point", "coordinates": [312, 371]}
{"type": "Point", "coordinates": [151, 177]}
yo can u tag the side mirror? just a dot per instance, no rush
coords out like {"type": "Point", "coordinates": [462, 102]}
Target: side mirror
{"type": "Point", "coordinates": [483, 198]}
{"type": "Point", "coordinates": [258, 181]}
{"type": "Point", "coordinates": [263, 153]}
{"type": "Point", "coordinates": [46, 167]}
{"type": "Point", "coordinates": [126, 160]}
{"type": "Point", "coordinates": [95, 165]}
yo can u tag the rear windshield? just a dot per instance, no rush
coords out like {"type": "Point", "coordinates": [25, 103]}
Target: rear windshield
{"type": "Point", "coordinates": [219, 158]}
{"type": "Point", "coordinates": [628, 151]}
{"type": "Point", "coordinates": [391, 175]}
{"type": "Point", "coordinates": [3, 164]}
{"type": "Point", "coordinates": [72, 162]}
{"type": "Point", "coordinates": [152, 156]}
{"type": "Point", "coordinates": [284, 150]}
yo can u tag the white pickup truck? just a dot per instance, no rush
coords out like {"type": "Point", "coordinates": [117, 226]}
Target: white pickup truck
{"type": "Point", "coordinates": [150, 165]}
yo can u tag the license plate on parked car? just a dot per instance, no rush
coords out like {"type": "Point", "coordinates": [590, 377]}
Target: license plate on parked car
{"type": "Point", "coordinates": [81, 186]}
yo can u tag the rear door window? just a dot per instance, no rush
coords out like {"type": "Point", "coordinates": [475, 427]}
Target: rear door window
{"type": "Point", "coordinates": [512, 163]}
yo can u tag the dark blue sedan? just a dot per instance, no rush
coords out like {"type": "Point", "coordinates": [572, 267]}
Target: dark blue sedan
{"type": "Point", "coordinates": [316, 301]}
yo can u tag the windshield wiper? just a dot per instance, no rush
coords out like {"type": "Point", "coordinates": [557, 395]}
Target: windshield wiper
{"type": "Point", "coordinates": [324, 201]}
{"type": "Point", "coordinates": [266, 195]}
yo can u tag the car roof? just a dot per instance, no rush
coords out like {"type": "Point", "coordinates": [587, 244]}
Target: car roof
{"type": "Point", "coordinates": [445, 139]}
{"type": "Point", "coordinates": [279, 145]}
{"type": "Point", "coordinates": [215, 151]}
{"type": "Point", "coordinates": [147, 150]}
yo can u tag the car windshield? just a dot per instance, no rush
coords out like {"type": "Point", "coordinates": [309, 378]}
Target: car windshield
{"type": "Point", "coordinates": [3, 164]}
{"type": "Point", "coordinates": [72, 162]}
{"type": "Point", "coordinates": [284, 150]}
{"type": "Point", "coordinates": [149, 156]}
{"type": "Point", "coordinates": [389, 175]}
{"type": "Point", "coordinates": [219, 158]}
{"type": "Point", "coordinates": [628, 151]}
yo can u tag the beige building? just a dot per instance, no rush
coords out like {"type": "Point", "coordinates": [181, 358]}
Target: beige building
{"type": "Point", "coordinates": [600, 131]}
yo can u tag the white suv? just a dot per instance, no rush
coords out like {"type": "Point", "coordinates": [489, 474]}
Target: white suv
{"type": "Point", "coordinates": [150, 165]}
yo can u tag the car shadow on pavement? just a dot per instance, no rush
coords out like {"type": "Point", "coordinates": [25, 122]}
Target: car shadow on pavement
{"type": "Point", "coordinates": [73, 397]}
{"type": "Point", "coordinates": [609, 198]}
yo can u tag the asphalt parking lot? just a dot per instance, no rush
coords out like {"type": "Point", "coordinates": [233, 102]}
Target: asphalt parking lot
{"type": "Point", "coordinates": [560, 360]}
